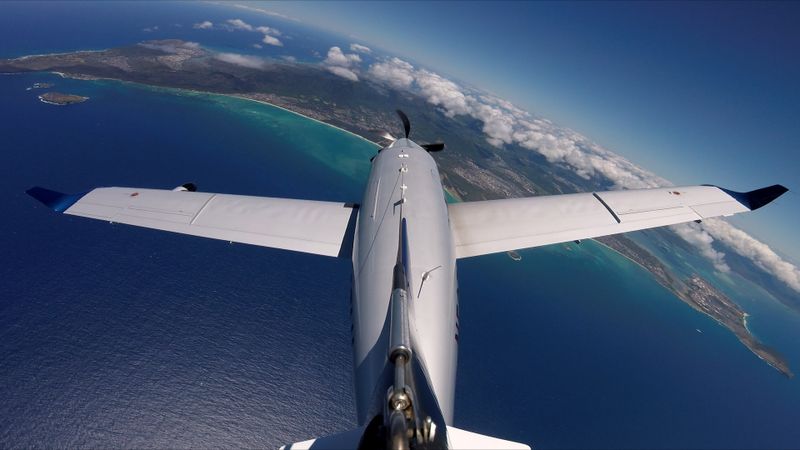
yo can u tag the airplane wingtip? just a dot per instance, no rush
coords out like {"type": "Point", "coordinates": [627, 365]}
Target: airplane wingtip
{"type": "Point", "coordinates": [759, 197]}
{"type": "Point", "coordinates": [57, 201]}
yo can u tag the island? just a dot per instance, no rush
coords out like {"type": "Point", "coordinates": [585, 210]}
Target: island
{"type": "Point", "coordinates": [470, 170]}
{"type": "Point", "coordinates": [57, 98]}
{"type": "Point", "coordinates": [40, 86]}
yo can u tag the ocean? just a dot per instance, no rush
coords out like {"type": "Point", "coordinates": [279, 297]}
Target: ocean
{"type": "Point", "coordinates": [114, 336]}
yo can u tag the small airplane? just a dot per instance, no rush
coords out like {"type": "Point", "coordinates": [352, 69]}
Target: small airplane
{"type": "Point", "coordinates": [404, 241]}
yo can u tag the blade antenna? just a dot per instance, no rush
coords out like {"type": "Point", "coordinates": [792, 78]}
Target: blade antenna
{"type": "Point", "coordinates": [406, 123]}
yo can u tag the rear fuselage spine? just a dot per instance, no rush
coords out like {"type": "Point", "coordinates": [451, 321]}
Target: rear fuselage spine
{"type": "Point", "coordinates": [404, 184]}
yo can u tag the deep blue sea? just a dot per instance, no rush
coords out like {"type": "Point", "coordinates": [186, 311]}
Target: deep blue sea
{"type": "Point", "coordinates": [112, 336]}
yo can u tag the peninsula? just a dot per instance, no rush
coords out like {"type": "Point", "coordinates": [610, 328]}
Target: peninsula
{"type": "Point", "coordinates": [700, 295]}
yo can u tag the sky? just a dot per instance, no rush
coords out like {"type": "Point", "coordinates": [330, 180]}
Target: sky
{"type": "Point", "coordinates": [695, 92]}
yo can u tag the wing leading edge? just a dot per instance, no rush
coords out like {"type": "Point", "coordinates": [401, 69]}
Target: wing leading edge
{"type": "Point", "coordinates": [322, 228]}
{"type": "Point", "coordinates": [494, 226]}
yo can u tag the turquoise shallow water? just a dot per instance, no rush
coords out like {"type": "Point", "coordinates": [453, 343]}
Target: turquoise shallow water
{"type": "Point", "coordinates": [120, 337]}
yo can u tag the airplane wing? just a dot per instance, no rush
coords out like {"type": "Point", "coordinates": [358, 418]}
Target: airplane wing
{"type": "Point", "coordinates": [322, 228]}
{"type": "Point", "coordinates": [493, 226]}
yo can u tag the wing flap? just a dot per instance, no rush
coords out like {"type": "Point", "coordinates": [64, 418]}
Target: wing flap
{"type": "Point", "coordinates": [301, 225]}
{"type": "Point", "coordinates": [502, 225]}
{"type": "Point", "coordinates": [491, 226]}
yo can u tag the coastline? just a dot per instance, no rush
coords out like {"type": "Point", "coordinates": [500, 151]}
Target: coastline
{"type": "Point", "coordinates": [740, 329]}
{"type": "Point", "coordinates": [244, 97]}
{"type": "Point", "coordinates": [623, 255]}
{"type": "Point", "coordinates": [195, 91]}
{"type": "Point", "coordinates": [24, 57]}
{"type": "Point", "coordinates": [50, 103]}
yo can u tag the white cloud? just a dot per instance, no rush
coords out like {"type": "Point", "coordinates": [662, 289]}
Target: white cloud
{"type": "Point", "coordinates": [337, 58]}
{"type": "Point", "coordinates": [257, 46]}
{"type": "Point", "coordinates": [697, 236]}
{"type": "Point", "coordinates": [289, 58]}
{"type": "Point", "coordinates": [269, 30]}
{"type": "Point", "coordinates": [174, 47]}
{"type": "Point", "coordinates": [272, 40]}
{"type": "Point", "coordinates": [264, 11]}
{"type": "Point", "coordinates": [710, 230]}
{"type": "Point", "coordinates": [442, 92]}
{"type": "Point", "coordinates": [252, 62]}
{"type": "Point", "coordinates": [496, 124]}
{"type": "Point", "coordinates": [360, 48]}
{"type": "Point", "coordinates": [504, 123]}
{"type": "Point", "coordinates": [239, 24]}
{"type": "Point", "coordinates": [341, 64]}
{"type": "Point", "coordinates": [150, 29]}
{"type": "Point", "coordinates": [754, 250]}
{"type": "Point", "coordinates": [205, 25]}
{"type": "Point", "coordinates": [506, 105]}
{"type": "Point", "coordinates": [343, 72]}
{"type": "Point", "coordinates": [396, 72]}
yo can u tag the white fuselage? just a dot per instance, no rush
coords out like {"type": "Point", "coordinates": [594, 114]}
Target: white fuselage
{"type": "Point", "coordinates": [404, 183]}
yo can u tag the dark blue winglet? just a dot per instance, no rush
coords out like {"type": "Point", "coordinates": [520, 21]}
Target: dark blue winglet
{"type": "Point", "coordinates": [759, 197]}
{"type": "Point", "coordinates": [56, 201]}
